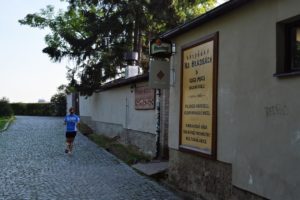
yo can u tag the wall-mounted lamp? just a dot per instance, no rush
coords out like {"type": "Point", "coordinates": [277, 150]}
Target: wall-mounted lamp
{"type": "Point", "coordinates": [173, 48]}
{"type": "Point", "coordinates": [172, 70]}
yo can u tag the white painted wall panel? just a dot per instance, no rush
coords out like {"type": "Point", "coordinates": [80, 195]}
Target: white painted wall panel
{"type": "Point", "coordinates": [116, 106]}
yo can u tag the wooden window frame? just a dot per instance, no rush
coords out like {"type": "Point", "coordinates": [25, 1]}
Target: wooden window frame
{"type": "Point", "coordinates": [284, 48]}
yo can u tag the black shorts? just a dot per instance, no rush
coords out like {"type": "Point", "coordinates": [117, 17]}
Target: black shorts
{"type": "Point", "coordinates": [71, 134]}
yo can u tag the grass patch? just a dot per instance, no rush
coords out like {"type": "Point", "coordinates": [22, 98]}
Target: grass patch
{"type": "Point", "coordinates": [128, 154]}
{"type": "Point", "coordinates": [85, 129]}
{"type": "Point", "coordinates": [3, 121]}
{"type": "Point", "coordinates": [100, 140]}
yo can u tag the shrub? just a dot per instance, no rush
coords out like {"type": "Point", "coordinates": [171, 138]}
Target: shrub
{"type": "Point", "coordinates": [5, 108]}
{"type": "Point", "coordinates": [33, 109]}
{"type": "Point", "coordinates": [59, 102]}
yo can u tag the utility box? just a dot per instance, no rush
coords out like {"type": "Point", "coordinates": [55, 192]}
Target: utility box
{"type": "Point", "coordinates": [131, 70]}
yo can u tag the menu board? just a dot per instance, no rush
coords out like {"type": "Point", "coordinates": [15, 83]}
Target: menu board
{"type": "Point", "coordinates": [144, 98]}
{"type": "Point", "coordinates": [198, 103]}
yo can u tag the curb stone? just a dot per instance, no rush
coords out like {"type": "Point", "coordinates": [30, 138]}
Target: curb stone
{"type": "Point", "coordinates": [6, 125]}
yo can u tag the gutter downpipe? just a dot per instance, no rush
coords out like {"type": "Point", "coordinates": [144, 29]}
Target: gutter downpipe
{"type": "Point", "coordinates": [158, 94]}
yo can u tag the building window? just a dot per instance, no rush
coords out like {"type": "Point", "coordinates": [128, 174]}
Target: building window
{"type": "Point", "coordinates": [288, 47]}
{"type": "Point", "coordinates": [295, 47]}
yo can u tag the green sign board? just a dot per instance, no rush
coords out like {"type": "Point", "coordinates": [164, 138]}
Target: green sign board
{"type": "Point", "coordinates": [160, 48]}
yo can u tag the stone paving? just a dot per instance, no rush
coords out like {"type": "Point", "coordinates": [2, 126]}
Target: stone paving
{"type": "Point", "coordinates": [34, 166]}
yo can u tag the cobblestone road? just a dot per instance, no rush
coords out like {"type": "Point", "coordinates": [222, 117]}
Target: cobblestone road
{"type": "Point", "coordinates": [34, 166]}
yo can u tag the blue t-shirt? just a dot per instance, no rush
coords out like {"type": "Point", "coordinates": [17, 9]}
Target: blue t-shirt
{"type": "Point", "coordinates": [71, 121]}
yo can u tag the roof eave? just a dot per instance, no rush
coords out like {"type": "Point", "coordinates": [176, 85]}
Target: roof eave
{"type": "Point", "coordinates": [123, 81]}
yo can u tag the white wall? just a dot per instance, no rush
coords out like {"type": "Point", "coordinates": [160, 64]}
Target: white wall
{"type": "Point", "coordinates": [69, 102]}
{"type": "Point", "coordinates": [116, 106]}
{"type": "Point", "coordinates": [262, 148]}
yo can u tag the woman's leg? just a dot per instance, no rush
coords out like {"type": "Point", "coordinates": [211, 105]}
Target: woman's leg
{"type": "Point", "coordinates": [69, 141]}
{"type": "Point", "coordinates": [71, 144]}
{"type": "Point", "coordinates": [67, 145]}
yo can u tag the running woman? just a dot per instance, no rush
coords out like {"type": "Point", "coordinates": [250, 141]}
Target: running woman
{"type": "Point", "coordinates": [71, 122]}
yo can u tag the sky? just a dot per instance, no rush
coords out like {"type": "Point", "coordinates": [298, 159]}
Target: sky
{"type": "Point", "coordinates": [26, 74]}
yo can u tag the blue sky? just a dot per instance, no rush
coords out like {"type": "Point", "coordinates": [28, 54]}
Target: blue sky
{"type": "Point", "coordinates": [27, 74]}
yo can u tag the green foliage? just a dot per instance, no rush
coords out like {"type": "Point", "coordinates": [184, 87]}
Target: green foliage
{"type": "Point", "coordinates": [33, 109]}
{"type": "Point", "coordinates": [2, 123]}
{"type": "Point", "coordinates": [66, 89]}
{"type": "Point", "coordinates": [129, 154]}
{"type": "Point", "coordinates": [59, 102]}
{"type": "Point", "coordinates": [96, 33]}
{"type": "Point", "coordinates": [5, 108]}
{"type": "Point", "coordinates": [5, 122]}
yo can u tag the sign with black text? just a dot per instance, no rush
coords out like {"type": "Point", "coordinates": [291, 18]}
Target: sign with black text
{"type": "Point", "coordinates": [144, 98]}
{"type": "Point", "coordinates": [198, 101]}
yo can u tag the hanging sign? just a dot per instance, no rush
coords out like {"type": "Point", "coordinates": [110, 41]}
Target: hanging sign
{"type": "Point", "coordinates": [160, 48]}
{"type": "Point", "coordinates": [198, 101]}
{"type": "Point", "coordinates": [159, 74]}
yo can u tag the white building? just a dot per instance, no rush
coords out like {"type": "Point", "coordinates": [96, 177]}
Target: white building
{"type": "Point", "coordinates": [234, 124]}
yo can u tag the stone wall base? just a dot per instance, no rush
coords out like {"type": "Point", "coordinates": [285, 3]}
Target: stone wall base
{"type": "Point", "coordinates": [88, 121]}
{"type": "Point", "coordinates": [145, 142]}
{"type": "Point", "coordinates": [203, 178]}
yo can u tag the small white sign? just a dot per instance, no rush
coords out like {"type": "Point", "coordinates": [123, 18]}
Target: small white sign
{"type": "Point", "coordinates": [159, 76]}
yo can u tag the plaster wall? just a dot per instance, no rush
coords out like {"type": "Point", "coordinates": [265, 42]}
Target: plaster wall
{"type": "Point", "coordinates": [69, 102]}
{"type": "Point", "coordinates": [112, 113]}
{"type": "Point", "coordinates": [258, 129]}
{"type": "Point", "coordinates": [116, 106]}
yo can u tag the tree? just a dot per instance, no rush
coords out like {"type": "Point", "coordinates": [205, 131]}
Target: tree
{"type": "Point", "coordinates": [5, 108]}
{"type": "Point", "coordinates": [66, 89]}
{"type": "Point", "coordinates": [59, 101]}
{"type": "Point", "coordinates": [97, 33]}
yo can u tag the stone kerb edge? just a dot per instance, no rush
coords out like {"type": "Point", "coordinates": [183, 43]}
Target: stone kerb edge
{"type": "Point", "coordinates": [6, 125]}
